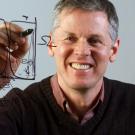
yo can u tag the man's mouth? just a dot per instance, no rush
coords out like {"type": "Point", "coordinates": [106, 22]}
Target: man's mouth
{"type": "Point", "coordinates": [79, 66]}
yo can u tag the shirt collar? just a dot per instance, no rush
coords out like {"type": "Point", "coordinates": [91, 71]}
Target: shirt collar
{"type": "Point", "coordinates": [62, 102]}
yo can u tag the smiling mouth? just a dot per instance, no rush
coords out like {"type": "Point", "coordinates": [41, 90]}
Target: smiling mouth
{"type": "Point", "coordinates": [79, 66]}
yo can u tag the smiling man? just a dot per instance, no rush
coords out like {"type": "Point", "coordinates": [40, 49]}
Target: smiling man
{"type": "Point", "coordinates": [83, 49]}
{"type": "Point", "coordinates": [78, 99]}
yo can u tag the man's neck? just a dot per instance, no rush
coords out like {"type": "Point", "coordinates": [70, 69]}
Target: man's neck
{"type": "Point", "coordinates": [80, 102]}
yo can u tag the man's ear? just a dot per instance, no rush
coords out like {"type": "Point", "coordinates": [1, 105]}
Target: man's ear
{"type": "Point", "coordinates": [50, 48]}
{"type": "Point", "coordinates": [114, 50]}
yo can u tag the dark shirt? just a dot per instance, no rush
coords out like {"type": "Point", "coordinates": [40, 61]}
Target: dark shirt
{"type": "Point", "coordinates": [35, 111]}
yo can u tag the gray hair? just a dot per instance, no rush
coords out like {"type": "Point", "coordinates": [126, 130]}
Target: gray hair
{"type": "Point", "coordinates": [92, 5]}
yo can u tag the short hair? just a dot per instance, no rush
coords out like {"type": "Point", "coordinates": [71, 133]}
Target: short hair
{"type": "Point", "coordinates": [91, 5]}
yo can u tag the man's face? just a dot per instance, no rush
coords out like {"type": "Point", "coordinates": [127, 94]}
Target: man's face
{"type": "Point", "coordinates": [84, 48]}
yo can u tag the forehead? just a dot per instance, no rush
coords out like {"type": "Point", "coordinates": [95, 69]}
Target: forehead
{"type": "Point", "coordinates": [84, 21]}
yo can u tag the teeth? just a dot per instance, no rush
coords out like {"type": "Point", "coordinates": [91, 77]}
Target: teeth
{"type": "Point", "coordinates": [80, 66]}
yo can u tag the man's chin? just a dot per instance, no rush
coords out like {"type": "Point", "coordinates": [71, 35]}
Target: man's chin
{"type": "Point", "coordinates": [81, 87]}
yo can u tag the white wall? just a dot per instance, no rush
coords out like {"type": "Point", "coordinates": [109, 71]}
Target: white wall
{"type": "Point", "coordinates": [124, 67]}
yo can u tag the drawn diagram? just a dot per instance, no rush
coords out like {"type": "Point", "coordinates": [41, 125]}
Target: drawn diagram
{"type": "Point", "coordinates": [27, 68]}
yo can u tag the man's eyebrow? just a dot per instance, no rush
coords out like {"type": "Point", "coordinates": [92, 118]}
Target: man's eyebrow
{"type": "Point", "coordinates": [89, 36]}
{"type": "Point", "coordinates": [94, 36]}
{"type": "Point", "coordinates": [69, 33]}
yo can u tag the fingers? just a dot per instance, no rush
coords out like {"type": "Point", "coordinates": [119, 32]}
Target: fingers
{"type": "Point", "coordinates": [5, 55]}
{"type": "Point", "coordinates": [5, 42]}
{"type": "Point", "coordinates": [11, 27]}
{"type": "Point", "coordinates": [11, 41]}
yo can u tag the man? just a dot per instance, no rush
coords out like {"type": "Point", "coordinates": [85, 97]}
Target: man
{"type": "Point", "coordinates": [78, 100]}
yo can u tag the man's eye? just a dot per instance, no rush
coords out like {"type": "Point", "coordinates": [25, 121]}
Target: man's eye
{"type": "Point", "coordinates": [71, 39]}
{"type": "Point", "coordinates": [95, 42]}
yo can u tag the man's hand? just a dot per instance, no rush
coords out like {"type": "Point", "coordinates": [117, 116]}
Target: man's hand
{"type": "Point", "coordinates": [12, 49]}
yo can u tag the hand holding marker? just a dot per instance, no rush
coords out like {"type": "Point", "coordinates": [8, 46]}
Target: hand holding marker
{"type": "Point", "coordinates": [21, 34]}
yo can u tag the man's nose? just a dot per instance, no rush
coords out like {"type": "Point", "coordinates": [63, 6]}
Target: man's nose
{"type": "Point", "coordinates": [82, 48]}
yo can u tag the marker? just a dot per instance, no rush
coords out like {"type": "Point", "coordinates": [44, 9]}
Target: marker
{"type": "Point", "coordinates": [26, 33]}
